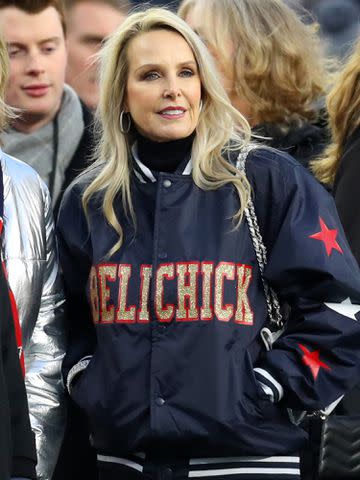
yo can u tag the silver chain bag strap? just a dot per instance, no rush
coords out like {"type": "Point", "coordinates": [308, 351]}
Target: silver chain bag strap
{"type": "Point", "coordinates": [271, 333]}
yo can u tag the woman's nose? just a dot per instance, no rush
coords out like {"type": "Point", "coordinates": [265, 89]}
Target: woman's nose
{"type": "Point", "coordinates": [172, 90]}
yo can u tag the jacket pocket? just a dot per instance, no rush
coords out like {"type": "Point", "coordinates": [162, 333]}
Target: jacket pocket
{"type": "Point", "coordinates": [256, 403]}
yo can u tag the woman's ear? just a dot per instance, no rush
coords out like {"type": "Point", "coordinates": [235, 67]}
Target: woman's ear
{"type": "Point", "coordinates": [125, 107]}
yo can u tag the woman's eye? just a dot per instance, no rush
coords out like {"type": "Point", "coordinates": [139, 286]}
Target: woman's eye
{"type": "Point", "coordinates": [14, 52]}
{"type": "Point", "coordinates": [186, 73]}
{"type": "Point", "coordinates": [151, 76]}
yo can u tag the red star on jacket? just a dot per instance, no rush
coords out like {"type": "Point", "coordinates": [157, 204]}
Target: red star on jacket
{"type": "Point", "coordinates": [312, 360]}
{"type": "Point", "coordinates": [328, 237]}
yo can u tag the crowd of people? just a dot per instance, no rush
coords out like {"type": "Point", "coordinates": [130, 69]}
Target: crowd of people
{"type": "Point", "coordinates": [179, 236]}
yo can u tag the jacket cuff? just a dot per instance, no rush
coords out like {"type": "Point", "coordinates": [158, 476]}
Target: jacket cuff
{"type": "Point", "coordinates": [23, 468]}
{"type": "Point", "coordinates": [271, 387]}
{"type": "Point", "coordinates": [76, 370]}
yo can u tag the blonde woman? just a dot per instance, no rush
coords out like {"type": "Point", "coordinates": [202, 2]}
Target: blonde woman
{"type": "Point", "coordinates": [164, 285]}
{"type": "Point", "coordinates": [271, 66]}
{"type": "Point", "coordinates": [340, 167]}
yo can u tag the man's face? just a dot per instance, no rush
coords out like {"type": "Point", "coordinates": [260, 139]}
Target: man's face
{"type": "Point", "coordinates": [37, 53]}
{"type": "Point", "coordinates": [88, 25]}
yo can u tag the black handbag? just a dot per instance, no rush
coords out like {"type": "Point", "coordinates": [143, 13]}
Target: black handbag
{"type": "Point", "coordinates": [339, 455]}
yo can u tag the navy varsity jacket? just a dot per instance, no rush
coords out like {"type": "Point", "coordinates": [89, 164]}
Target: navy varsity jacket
{"type": "Point", "coordinates": [164, 349]}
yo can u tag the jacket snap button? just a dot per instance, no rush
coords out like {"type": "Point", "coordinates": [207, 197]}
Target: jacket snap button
{"type": "Point", "coordinates": [167, 183]}
{"type": "Point", "coordinates": [160, 401]}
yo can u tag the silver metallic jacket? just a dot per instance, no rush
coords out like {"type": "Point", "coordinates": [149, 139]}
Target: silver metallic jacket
{"type": "Point", "coordinates": [30, 255]}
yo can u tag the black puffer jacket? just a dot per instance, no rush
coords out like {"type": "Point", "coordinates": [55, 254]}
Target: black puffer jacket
{"type": "Point", "coordinates": [346, 193]}
{"type": "Point", "coordinates": [303, 142]}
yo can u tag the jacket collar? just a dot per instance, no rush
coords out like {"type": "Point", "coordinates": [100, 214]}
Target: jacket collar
{"type": "Point", "coordinates": [145, 175]}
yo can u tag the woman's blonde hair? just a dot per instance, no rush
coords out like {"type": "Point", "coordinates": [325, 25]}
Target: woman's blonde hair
{"type": "Point", "coordinates": [343, 104]}
{"type": "Point", "coordinates": [219, 123]}
{"type": "Point", "coordinates": [6, 112]}
{"type": "Point", "coordinates": [277, 62]}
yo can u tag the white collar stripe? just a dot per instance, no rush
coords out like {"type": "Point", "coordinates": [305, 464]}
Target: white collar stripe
{"type": "Point", "coordinates": [146, 171]}
{"type": "Point", "coordinates": [188, 168]}
{"type": "Point", "coordinates": [139, 176]}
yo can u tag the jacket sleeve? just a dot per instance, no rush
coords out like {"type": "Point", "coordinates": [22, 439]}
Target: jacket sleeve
{"type": "Point", "coordinates": [75, 258]}
{"type": "Point", "coordinates": [22, 438]}
{"type": "Point", "coordinates": [310, 266]}
{"type": "Point", "coordinates": [44, 356]}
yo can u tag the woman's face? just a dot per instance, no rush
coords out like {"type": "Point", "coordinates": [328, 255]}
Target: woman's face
{"type": "Point", "coordinates": [163, 91]}
{"type": "Point", "coordinates": [195, 20]}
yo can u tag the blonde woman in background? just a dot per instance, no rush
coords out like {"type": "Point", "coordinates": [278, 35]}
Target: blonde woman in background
{"type": "Point", "coordinates": [339, 169]}
{"type": "Point", "coordinates": [271, 66]}
{"type": "Point", "coordinates": [340, 165]}
{"type": "Point", "coordinates": [165, 291]}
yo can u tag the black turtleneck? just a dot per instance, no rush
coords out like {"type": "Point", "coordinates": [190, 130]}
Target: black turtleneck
{"type": "Point", "coordinates": [163, 156]}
